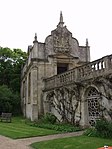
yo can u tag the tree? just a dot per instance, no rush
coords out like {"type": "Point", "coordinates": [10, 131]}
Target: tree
{"type": "Point", "coordinates": [10, 74]}
{"type": "Point", "coordinates": [10, 67]}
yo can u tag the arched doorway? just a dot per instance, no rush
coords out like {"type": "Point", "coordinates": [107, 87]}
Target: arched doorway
{"type": "Point", "coordinates": [93, 100]}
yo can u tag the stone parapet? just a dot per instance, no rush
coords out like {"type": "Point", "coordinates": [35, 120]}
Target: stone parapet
{"type": "Point", "coordinates": [90, 70]}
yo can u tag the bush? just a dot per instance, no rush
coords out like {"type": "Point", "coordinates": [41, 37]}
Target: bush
{"type": "Point", "coordinates": [58, 127]}
{"type": "Point", "coordinates": [104, 128]}
{"type": "Point", "coordinates": [49, 122]}
{"type": "Point", "coordinates": [49, 118]}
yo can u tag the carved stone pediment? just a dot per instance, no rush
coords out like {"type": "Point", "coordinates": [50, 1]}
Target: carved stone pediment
{"type": "Point", "coordinates": [61, 39]}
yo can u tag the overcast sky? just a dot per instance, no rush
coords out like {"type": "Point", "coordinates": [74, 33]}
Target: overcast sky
{"type": "Point", "coordinates": [92, 19]}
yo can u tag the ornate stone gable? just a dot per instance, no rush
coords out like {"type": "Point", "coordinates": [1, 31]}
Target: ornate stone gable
{"type": "Point", "coordinates": [61, 39]}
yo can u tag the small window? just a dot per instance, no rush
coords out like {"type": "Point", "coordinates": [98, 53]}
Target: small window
{"type": "Point", "coordinates": [61, 68]}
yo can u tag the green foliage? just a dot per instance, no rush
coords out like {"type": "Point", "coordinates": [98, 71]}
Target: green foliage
{"type": "Point", "coordinates": [49, 118]}
{"type": "Point", "coordinates": [91, 132]}
{"type": "Point", "coordinates": [58, 127]}
{"type": "Point", "coordinates": [9, 101]}
{"type": "Point", "coordinates": [10, 75]}
{"type": "Point", "coordinates": [10, 67]}
{"type": "Point", "coordinates": [48, 121]}
{"type": "Point", "coordinates": [102, 129]}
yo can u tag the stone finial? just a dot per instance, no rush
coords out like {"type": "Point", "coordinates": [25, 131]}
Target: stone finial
{"type": "Point", "coordinates": [87, 42]}
{"type": "Point", "coordinates": [61, 20]}
{"type": "Point", "coordinates": [35, 38]}
{"type": "Point", "coordinates": [61, 17]}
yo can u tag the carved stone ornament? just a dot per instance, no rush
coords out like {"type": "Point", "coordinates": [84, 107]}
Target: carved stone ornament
{"type": "Point", "coordinates": [61, 41]}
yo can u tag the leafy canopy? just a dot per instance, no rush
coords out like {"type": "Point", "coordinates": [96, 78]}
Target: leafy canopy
{"type": "Point", "coordinates": [10, 74]}
{"type": "Point", "coordinates": [10, 67]}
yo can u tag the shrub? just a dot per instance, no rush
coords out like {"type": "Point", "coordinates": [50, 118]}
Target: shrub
{"type": "Point", "coordinates": [104, 128]}
{"type": "Point", "coordinates": [49, 122]}
{"type": "Point", "coordinates": [49, 118]}
{"type": "Point", "coordinates": [57, 127]}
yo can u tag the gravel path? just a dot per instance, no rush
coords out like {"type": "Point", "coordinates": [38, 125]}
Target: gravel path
{"type": "Point", "coordinates": [7, 143]}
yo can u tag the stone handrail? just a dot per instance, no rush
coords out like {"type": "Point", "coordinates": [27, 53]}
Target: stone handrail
{"type": "Point", "coordinates": [90, 70]}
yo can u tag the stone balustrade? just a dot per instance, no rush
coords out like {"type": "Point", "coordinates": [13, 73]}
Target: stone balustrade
{"type": "Point", "coordinates": [90, 70]}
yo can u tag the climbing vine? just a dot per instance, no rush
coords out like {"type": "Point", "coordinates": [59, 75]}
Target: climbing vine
{"type": "Point", "coordinates": [66, 101]}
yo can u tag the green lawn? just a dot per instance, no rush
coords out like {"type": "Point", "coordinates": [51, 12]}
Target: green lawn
{"type": "Point", "coordinates": [18, 129]}
{"type": "Point", "coordinates": [80, 142]}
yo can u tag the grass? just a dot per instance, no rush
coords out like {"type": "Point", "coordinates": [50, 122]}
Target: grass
{"type": "Point", "coordinates": [80, 142]}
{"type": "Point", "coordinates": [18, 129]}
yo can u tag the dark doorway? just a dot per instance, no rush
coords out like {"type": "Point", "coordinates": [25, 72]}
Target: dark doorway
{"type": "Point", "coordinates": [61, 68]}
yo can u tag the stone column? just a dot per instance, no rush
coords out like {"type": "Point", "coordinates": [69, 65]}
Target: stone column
{"type": "Point", "coordinates": [34, 85]}
{"type": "Point", "coordinates": [34, 92]}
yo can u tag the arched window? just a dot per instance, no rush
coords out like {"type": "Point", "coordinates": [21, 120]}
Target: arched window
{"type": "Point", "coordinates": [93, 100]}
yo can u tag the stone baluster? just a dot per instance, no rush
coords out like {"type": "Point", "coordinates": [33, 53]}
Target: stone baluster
{"type": "Point", "coordinates": [75, 74]}
{"type": "Point", "coordinates": [70, 76]}
{"type": "Point", "coordinates": [67, 77]}
{"type": "Point", "coordinates": [98, 65]}
{"type": "Point", "coordinates": [94, 67]}
{"type": "Point", "coordinates": [106, 63]}
{"type": "Point", "coordinates": [102, 64]}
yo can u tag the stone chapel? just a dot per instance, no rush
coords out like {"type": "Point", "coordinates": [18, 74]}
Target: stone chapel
{"type": "Point", "coordinates": [58, 77]}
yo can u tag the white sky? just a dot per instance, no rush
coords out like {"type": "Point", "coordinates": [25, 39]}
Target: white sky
{"type": "Point", "coordinates": [92, 19]}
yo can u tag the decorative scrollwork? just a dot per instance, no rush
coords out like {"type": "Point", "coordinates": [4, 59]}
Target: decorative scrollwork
{"type": "Point", "coordinates": [61, 41]}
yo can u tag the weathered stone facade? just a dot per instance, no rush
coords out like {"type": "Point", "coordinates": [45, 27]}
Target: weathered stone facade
{"type": "Point", "coordinates": [58, 77]}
